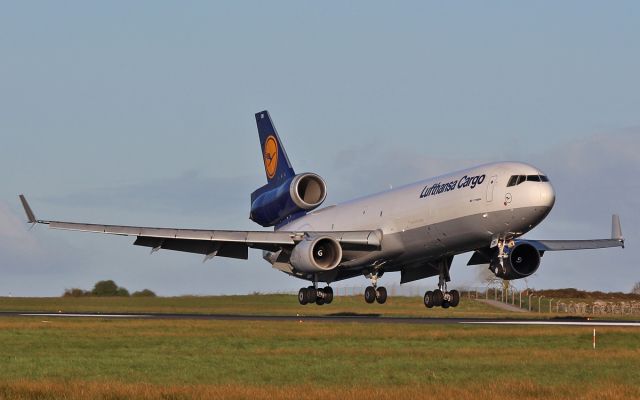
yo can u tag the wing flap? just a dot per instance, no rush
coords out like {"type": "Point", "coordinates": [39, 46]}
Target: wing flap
{"type": "Point", "coordinates": [205, 247]}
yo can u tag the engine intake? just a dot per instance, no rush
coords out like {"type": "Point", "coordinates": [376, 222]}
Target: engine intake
{"type": "Point", "coordinates": [272, 205]}
{"type": "Point", "coordinates": [316, 254]}
{"type": "Point", "coordinates": [308, 191]}
{"type": "Point", "coordinates": [522, 261]}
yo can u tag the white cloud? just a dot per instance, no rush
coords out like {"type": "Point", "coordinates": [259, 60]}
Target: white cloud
{"type": "Point", "coordinates": [14, 236]}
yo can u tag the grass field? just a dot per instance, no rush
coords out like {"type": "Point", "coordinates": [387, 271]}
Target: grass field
{"type": "Point", "coordinates": [273, 304]}
{"type": "Point", "coordinates": [182, 359]}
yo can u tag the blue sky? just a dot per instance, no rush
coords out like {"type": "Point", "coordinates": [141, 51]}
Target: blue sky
{"type": "Point", "coordinates": [142, 113]}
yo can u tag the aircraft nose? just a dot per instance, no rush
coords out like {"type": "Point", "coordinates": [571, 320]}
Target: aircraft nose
{"type": "Point", "coordinates": [547, 195]}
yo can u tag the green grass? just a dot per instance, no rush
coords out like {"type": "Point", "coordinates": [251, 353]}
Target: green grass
{"type": "Point", "coordinates": [314, 355]}
{"type": "Point", "coordinates": [255, 305]}
{"type": "Point", "coordinates": [51, 358]}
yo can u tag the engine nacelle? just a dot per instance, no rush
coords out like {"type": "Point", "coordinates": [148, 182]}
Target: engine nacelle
{"type": "Point", "coordinates": [522, 261]}
{"type": "Point", "coordinates": [303, 192]}
{"type": "Point", "coordinates": [316, 254]}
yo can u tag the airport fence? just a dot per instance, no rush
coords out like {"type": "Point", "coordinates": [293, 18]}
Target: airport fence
{"type": "Point", "coordinates": [529, 300]}
{"type": "Point", "coordinates": [525, 299]}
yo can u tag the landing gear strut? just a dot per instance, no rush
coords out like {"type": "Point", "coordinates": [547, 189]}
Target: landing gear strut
{"type": "Point", "coordinates": [442, 297]}
{"type": "Point", "coordinates": [374, 293]}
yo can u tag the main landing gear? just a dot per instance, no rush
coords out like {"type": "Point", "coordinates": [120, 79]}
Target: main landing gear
{"type": "Point", "coordinates": [441, 297]}
{"type": "Point", "coordinates": [374, 293]}
{"type": "Point", "coordinates": [312, 295]}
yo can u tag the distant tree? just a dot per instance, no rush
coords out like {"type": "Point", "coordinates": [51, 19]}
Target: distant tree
{"type": "Point", "coordinates": [109, 288]}
{"type": "Point", "coordinates": [636, 288]}
{"type": "Point", "coordinates": [144, 293]}
{"type": "Point", "coordinates": [75, 292]}
{"type": "Point", "coordinates": [105, 288]}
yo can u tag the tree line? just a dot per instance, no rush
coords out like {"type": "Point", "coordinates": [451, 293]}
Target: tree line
{"type": "Point", "coordinates": [107, 289]}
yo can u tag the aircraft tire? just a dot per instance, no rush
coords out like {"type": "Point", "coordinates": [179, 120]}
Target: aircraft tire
{"type": "Point", "coordinates": [313, 294]}
{"type": "Point", "coordinates": [303, 296]}
{"type": "Point", "coordinates": [438, 297]}
{"type": "Point", "coordinates": [445, 304]}
{"type": "Point", "coordinates": [455, 298]}
{"type": "Point", "coordinates": [369, 294]}
{"type": "Point", "coordinates": [320, 301]}
{"type": "Point", "coordinates": [328, 295]}
{"type": "Point", "coordinates": [381, 295]}
{"type": "Point", "coordinates": [428, 299]}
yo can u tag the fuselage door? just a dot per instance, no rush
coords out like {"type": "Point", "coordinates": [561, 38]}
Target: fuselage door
{"type": "Point", "coordinates": [491, 186]}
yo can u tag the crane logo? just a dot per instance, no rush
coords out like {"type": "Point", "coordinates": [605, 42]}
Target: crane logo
{"type": "Point", "coordinates": [271, 156]}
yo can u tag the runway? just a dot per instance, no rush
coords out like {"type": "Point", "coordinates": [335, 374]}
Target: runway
{"type": "Point", "coordinates": [334, 318]}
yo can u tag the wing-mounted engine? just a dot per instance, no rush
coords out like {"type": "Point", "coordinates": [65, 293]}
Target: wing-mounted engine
{"type": "Point", "coordinates": [317, 254]}
{"type": "Point", "coordinates": [518, 262]}
{"type": "Point", "coordinates": [271, 205]}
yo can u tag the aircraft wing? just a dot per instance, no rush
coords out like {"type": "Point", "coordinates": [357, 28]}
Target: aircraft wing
{"type": "Point", "coordinates": [616, 240]}
{"type": "Point", "coordinates": [211, 243]}
{"type": "Point", "coordinates": [483, 256]}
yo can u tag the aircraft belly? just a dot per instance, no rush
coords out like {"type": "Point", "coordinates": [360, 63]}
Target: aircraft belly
{"type": "Point", "coordinates": [460, 235]}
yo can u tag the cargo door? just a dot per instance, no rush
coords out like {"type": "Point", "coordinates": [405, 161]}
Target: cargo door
{"type": "Point", "coordinates": [490, 187]}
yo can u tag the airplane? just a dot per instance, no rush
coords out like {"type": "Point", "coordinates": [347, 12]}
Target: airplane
{"type": "Point", "coordinates": [416, 229]}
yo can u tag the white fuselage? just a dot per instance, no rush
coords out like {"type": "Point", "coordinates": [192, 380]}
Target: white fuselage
{"type": "Point", "coordinates": [445, 215]}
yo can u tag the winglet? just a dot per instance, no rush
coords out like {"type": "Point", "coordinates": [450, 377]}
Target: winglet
{"type": "Point", "coordinates": [31, 217]}
{"type": "Point", "coordinates": [616, 229]}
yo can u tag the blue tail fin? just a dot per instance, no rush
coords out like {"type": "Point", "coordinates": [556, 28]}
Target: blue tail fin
{"type": "Point", "coordinates": [276, 163]}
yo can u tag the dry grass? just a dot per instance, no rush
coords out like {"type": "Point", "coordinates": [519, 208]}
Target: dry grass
{"type": "Point", "coordinates": [522, 389]}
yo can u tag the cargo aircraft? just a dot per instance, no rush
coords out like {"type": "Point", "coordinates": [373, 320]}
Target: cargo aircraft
{"type": "Point", "coordinates": [415, 229]}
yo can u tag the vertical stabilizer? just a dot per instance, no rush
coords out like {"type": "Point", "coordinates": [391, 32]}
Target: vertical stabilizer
{"type": "Point", "coordinates": [276, 163]}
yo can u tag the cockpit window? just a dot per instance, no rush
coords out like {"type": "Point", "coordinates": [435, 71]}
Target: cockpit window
{"type": "Point", "coordinates": [515, 180]}
{"type": "Point", "coordinates": [533, 178]}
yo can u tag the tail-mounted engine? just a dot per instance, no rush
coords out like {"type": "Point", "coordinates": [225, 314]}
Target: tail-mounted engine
{"type": "Point", "coordinates": [316, 254]}
{"type": "Point", "coordinates": [272, 205]}
{"type": "Point", "coordinates": [520, 262]}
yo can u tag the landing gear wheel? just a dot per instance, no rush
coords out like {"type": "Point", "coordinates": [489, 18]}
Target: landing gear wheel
{"type": "Point", "coordinates": [312, 293]}
{"type": "Point", "coordinates": [428, 299]}
{"type": "Point", "coordinates": [320, 301]}
{"type": "Point", "coordinates": [303, 296]}
{"type": "Point", "coordinates": [445, 304]}
{"type": "Point", "coordinates": [328, 295]}
{"type": "Point", "coordinates": [438, 297]}
{"type": "Point", "coordinates": [381, 295]}
{"type": "Point", "coordinates": [454, 296]}
{"type": "Point", "coordinates": [370, 294]}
